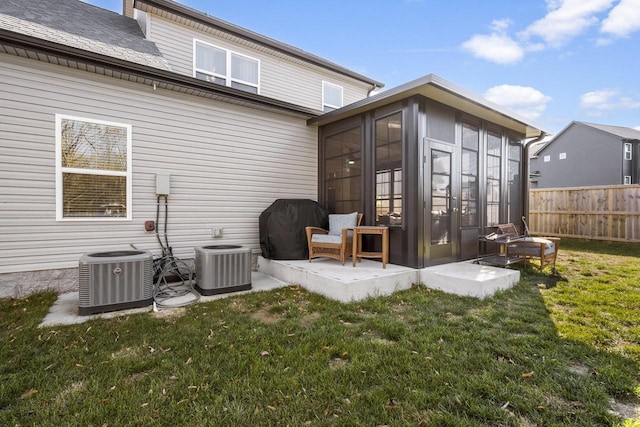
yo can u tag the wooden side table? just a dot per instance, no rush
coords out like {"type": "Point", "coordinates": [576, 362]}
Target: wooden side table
{"type": "Point", "coordinates": [357, 244]}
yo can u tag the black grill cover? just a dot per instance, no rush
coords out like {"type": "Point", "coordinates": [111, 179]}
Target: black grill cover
{"type": "Point", "coordinates": [282, 234]}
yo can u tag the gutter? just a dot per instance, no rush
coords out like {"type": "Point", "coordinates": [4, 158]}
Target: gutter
{"type": "Point", "coordinates": [527, 182]}
{"type": "Point", "coordinates": [155, 75]}
{"type": "Point", "coordinates": [374, 87]}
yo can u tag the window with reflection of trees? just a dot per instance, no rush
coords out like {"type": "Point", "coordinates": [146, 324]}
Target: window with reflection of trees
{"type": "Point", "coordinates": [343, 171]}
{"type": "Point", "coordinates": [494, 154]}
{"type": "Point", "coordinates": [469, 196]}
{"type": "Point", "coordinates": [94, 168]}
{"type": "Point", "coordinates": [388, 137]}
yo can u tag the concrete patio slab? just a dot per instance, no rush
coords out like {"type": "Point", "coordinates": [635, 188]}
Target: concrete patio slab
{"type": "Point", "coordinates": [343, 283]}
{"type": "Point", "coordinates": [65, 310]}
{"type": "Point", "coordinates": [469, 279]}
{"type": "Point", "coordinates": [329, 278]}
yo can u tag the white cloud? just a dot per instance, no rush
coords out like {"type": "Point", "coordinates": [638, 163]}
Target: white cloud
{"type": "Point", "coordinates": [607, 100]}
{"type": "Point", "coordinates": [566, 19]}
{"type": "Point", "coordinates": [495, 47]}
{"type": "Point", "coordinates": [524, 100]}
{"type": "Point", "coordinates": [637, 128]}
{"type": "Point", "coordinates": [598, 100]}
{"type": "Point", "coordinates": [623, 19]}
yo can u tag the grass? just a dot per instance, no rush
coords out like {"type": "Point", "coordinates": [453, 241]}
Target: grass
{"type": "Point", "coordinates": [554, 350]}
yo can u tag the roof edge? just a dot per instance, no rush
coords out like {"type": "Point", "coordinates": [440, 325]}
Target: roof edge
{"type": "Point", "coordinates": [155, 74]}
{"type": "Point", "coordinates": [439, 83]}
{"type": "Point", "coordinates": [195, 15]}
{"type": "Point", "coordinates": [595, 126]}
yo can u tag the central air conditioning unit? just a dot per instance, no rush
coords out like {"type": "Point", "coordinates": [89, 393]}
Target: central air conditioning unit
{"type": "Point", "coordinates": [222, 268]}
{"type": "Point", "coordinates": [115, 280]}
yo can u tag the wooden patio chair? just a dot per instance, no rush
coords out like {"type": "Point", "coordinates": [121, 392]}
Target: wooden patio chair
{"type": "Point", "coordinates": [337, 242]}
{"type": "Point", "coordinates": [543, 250]}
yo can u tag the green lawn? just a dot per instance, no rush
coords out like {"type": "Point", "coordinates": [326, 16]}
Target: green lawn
{"type": "Point", "coordinates": [554, 350]}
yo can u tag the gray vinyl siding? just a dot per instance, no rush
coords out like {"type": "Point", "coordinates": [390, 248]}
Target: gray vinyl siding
{"type": "Point", "coordinates": [281, 77]}
{"type": "Point", "coordinates": [227, 164]}
{"type": "Point", "coordinates": [593, 158]}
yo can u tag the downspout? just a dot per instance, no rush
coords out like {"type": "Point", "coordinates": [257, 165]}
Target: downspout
{"type": "Point", "coordinates": [527, 182]}
{"type": "Point", "coordinates": [373, 89]}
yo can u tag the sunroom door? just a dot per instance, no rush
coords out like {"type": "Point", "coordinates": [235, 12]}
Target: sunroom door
{"type": "Point", "coordinates": [442, 195]}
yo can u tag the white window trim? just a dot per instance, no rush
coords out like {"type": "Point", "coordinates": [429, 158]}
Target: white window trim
{"type": "Point", "coordinates": [628, 151]}
{"type": "Point", "coordinates": [227, 77]}
{"type": "Point", "coordinates": [60, 170]}
{"type": "Point", "coordinates": [326, 104]}
{"type": "Point", "coordinates": [627, 180]}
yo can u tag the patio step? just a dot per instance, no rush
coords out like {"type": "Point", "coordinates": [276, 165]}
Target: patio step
{"type": "Point", "coordinates": [343, 283]}
{"type": "Point", "coordinates": [346, 283]}
{"type": "Point", "coordinates": [469, 279]}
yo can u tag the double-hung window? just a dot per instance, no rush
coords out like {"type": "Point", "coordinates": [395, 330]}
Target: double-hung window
{"type": "Point", "coordinates": [628, 151]}
{"type": "Point", "coordinates": [225, 67]}
{"type": "Point", "coordinates": [331, 97]}
{"type": "Point", "coordinates": [93, 169]}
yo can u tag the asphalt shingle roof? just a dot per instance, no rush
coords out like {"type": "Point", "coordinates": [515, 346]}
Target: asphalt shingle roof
{"type": "Point", "coordinates": [80, 25]}
{"type": "Point", "coordinates": [621, 131]}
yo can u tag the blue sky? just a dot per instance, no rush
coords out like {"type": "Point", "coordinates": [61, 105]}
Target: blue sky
{"type": "Point", "coordinates": [552, 61]}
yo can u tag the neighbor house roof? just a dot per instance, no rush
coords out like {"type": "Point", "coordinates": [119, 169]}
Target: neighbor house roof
{"type": "Point", "coordinates": [624, 133]}
{"type": "Point", "coordinates": [436, 88]}
{"type": "Point", "coordinates": [187, 16]}
{"type": "Point", "coordinates": [621, 131]}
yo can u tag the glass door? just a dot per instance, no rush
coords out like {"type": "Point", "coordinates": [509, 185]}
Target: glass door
{"type": "Point", "coordinates": [442, 196]}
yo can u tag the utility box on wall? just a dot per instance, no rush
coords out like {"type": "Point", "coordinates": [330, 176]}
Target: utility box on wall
{"type": "Point", "coordinates": [163, 184]}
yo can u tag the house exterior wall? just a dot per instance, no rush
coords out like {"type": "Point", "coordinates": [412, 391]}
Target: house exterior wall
{"type": "Point", "coordinates": [281, 77]}
{"type": "Point", "coordinates": [592, 157]}
{"type": "Point", "coordinates": [227, 164]}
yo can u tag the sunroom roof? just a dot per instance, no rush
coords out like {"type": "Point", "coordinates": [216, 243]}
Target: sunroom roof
{"type": "Point", "coordinates": [445, 92]}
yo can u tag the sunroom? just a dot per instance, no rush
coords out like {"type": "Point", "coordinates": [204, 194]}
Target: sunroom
{"type": "Point", "coordinates": [439, 165]}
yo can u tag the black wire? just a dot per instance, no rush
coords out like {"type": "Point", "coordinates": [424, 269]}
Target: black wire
{"type": "Point", "coordinates": [165, 291]}
{"type": "Point", "coordinates": [158, 226]}
{"type": "Point", "coordinates": [166, 220]}
{"type": "Point", "coordinates": [168, 267]}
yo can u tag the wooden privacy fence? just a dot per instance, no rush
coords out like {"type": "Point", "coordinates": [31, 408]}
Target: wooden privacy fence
{"type": "Point", "coordinates": [599, 213]}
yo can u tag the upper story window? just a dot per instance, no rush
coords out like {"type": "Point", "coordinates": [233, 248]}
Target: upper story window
{"type": "Point", "coordinates": [225, 67]}
{"type": "Point", "coordinates": [627, 151]}
{"type": "Point", "coordinates": [331, 97]}
{"type": "Point", "coordinates": [93, 169]}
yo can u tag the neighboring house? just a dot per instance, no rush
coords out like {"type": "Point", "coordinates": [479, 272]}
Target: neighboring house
{"type": "Point", "coordinates": [97, 109]}
{"type": "Point", "coordinates": [587, 154]}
